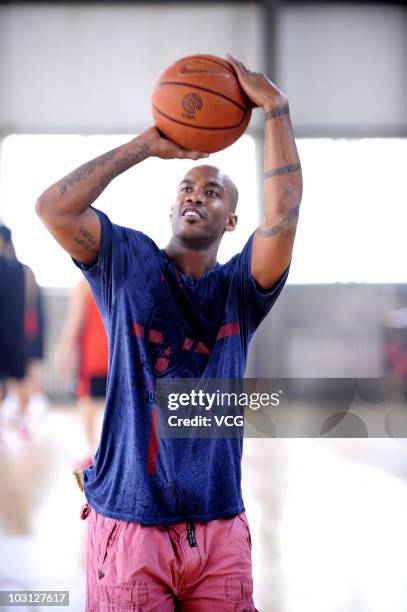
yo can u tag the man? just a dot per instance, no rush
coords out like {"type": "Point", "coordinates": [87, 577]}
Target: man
{"type": "Point", "coordinates": [12, 303]}
{"type": "Point", "coordinates": [82, 351]}
{"type": "Point", "coordinates": [22, 333]}
{"type": "Point", "coordinates": [167, 523]}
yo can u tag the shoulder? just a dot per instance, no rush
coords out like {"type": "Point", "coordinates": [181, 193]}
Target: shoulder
{"type": "Point", "coordinates": [239, 261]}
{"type": "Point", "coordinates": [122, 237]}
{"type": "Point", "coordinates": [132, 236]}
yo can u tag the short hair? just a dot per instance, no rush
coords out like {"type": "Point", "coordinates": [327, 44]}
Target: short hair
{"type": "Point", "coordinates": [234, 194]}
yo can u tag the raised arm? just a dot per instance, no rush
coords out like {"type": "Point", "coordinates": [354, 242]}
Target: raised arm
{"type": "Point", "coordinates": [274, 239]}
{"type": "Point", "coordinates": [65, 206]}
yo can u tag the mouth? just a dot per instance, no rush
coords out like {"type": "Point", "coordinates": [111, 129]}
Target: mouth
{"type": "Point", "coordinates": [190, 212]}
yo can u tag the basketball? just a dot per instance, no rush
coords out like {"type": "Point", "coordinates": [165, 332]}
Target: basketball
{"type": "Point", "coordinates": [199, 104]}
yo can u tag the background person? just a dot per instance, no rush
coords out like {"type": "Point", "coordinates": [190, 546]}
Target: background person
{"type": "Point", "coordinates": [26, 395]}
{"type": "Point", "coordinates": [82, 351]}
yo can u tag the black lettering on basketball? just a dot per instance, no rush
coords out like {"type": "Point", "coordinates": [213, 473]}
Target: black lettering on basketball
{"type": "Point", "coordinates": [189, 68]}
{"type": "Point", "coordinates": [192, 103]}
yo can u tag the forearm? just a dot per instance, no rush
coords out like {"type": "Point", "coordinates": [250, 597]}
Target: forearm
{"type": "Point", "coordinates": [74, 193]}
{"type": "Point", "coordinates": [274, 239]}
{"type": "Point", "coordinates": [282, 170]}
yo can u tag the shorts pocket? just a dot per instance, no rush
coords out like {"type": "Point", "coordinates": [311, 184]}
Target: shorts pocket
{"type": "Point", "coordinates": [239, 589]}
{"type": "Point", "coordinates": [108, 533]}
{"type": "Point", "coordinates": [242, 520]}
{"type": "Point", "coordinates": [123, 597]}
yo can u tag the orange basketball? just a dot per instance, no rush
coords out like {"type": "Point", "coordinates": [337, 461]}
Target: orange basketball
{"type": "Point", "coordinates": [199, 104]}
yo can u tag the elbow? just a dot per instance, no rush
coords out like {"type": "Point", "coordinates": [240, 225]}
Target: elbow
{"type": "Point", "coordinates": [44, 207]}
{"type": "Point", "coordinates": [41, 207]}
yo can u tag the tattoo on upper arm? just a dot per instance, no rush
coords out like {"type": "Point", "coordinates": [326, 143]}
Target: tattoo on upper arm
{"type": "Point", "coordinates": [86, 240]}
{"type": "Point", "coordinates": [279, 227]}
{"type": "Point", "coordinates": [127, 160]}
{"type": "Point", "coordinates": [277, 112]}
{"type": "Point", "coordinates": [284, 170]}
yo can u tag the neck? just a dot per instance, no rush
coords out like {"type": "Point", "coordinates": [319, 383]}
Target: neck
{"type": "Point", "coordinates": [190, 261]}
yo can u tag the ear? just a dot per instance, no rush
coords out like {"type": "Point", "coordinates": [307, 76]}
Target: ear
{"type": "Point", "coordinates": [231, 222]}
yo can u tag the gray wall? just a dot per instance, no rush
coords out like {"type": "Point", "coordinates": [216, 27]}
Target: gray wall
{"type": "Point", "coordinates": [324, 331]}
{"type": "Point", "coordinates": [344, 68]}
{"type": "Point", "coordinates": [91, 68]}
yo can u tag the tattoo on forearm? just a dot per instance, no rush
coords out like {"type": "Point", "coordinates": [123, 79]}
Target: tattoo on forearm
{"type": "Point", "coordinates": [279, 227]}
{"type": "Point", "coordinates": [83, 171]}
{"type": "Point", "coordinates": [284, 170]}
{"type": "Point", "coordinates": [86, 240]}
{"type": "Point", "coordinates": [127, 160]}
{"type": "Point", "coordinates": [277, 112]}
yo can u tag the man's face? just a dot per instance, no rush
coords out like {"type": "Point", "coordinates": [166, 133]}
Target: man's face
{"type": "Point", "coordinates": [202, 210]}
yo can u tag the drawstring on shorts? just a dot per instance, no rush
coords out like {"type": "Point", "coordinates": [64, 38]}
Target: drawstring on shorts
{"type": "Point", "coordinates": [191, 534]}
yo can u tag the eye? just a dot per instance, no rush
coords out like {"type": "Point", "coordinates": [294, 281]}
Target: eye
{"type": "Point", "coordinates": [186, 188]}
{"type": "Point", "coordinates": [211, 193]}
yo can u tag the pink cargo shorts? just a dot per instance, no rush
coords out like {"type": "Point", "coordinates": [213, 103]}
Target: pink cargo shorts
{"type": "Point", "coordinates": [184, 567]}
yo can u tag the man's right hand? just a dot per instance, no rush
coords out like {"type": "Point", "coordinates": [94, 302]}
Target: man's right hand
{"type": "Point", "coordinates": [166, 149]}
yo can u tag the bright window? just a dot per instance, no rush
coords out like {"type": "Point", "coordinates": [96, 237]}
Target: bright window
{"type": "Point", "coordinates": [353, 216]}
{"type": "Point", "coordinates": [354, 212]}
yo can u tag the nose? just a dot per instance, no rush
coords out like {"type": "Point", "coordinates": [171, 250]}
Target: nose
{"type": "Point", "coordinates": [194, 198]}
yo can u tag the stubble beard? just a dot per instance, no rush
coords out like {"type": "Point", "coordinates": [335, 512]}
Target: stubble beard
{"type": "Point", "coordinates": [196, 243]}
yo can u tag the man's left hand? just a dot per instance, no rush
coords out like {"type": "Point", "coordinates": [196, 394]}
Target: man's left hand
{"type": "Point", "coordinates": [258, 87]}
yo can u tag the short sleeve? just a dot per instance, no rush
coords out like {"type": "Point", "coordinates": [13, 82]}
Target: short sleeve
{"type": "Point", "coordinates": [253, 302]}
{"type": "Point", "coordinates": [121, 250]}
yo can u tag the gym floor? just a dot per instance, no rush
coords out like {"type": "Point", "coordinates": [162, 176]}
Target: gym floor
{"type": "Point", "coordinates": [327, 518]}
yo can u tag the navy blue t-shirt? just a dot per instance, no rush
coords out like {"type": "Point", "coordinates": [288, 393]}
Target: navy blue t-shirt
{"type": "Point", "coordinates": [163, 323]}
